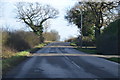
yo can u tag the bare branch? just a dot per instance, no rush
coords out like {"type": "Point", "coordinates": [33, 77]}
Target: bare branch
{"type": "Point", "coordinates": [34, 14]}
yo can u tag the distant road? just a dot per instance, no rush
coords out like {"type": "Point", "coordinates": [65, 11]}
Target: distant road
{"type": "Point", "coordinates": [59, 60]}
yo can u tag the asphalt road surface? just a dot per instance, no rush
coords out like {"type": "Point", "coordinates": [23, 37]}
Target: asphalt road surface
{"type": "Point", "coordinates": [59, 60]}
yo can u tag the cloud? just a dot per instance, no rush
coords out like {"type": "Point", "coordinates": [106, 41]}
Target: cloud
{"type": "Point", "coordinates": [55, 1]}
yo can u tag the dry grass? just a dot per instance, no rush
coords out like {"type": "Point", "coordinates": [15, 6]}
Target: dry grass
{"type": "Point", "coordinates": [13, 42]}
{"type": "Point", "coordinates": [12, 61]}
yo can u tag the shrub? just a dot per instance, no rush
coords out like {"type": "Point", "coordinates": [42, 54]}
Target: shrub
{"type": "Point", "coordinates": [17, 41]}
{"type": "Point", "coordinates": [88, 41]}
{"type": "Point", "coordinates": [108, 40]}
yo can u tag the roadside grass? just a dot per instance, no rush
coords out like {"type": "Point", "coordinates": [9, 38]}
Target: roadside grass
{"type": "Point", "coordinates": [73, 44]}
{"type": "Point", "coordinates": [88, 50]}
{"type": "Point", "coordinates": [93, 50]}
{"type": "Point", "coordinates": [36, 48]}
{"type": "Point", "coordinates": [114, 59]}
{"type": "Point", "coordinates": [11, 62]}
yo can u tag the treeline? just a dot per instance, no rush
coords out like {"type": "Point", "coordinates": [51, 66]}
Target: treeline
{"type": "Point", "coordinates": [107, 42]}
{"type": "Point", "coordinates": [92, 18]}
{"type": "Point", "coordinates": [51, 36]}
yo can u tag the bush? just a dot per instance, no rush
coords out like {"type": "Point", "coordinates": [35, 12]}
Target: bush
{"type": "Point", "coordinates": [51, 36]}
{"type": "Point", "coordinates": [72, 40]}
{"type": "Point", "coordinates": [88, 41]}
{"type": "Point", "coordinates": [108, 41]}
{"type": "Point", "coordinates": [29, 37]}
{"type": "Point", "coordinates": [17, 41]}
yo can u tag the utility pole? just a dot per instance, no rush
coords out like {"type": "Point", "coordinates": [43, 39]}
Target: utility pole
{"type": "Point", "coordinates": [80, 28]}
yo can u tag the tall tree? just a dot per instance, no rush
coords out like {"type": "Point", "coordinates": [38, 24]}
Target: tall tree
{"type": "Point", "coordinates": [101, 10]}
{"type": "Point", "coordinates": [74, 17]}
{"type": "Point", "coordinates": [34, 15]}
{"type": "Point", "coordinates": [95, 14]}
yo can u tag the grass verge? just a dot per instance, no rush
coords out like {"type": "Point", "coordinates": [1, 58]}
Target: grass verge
{"type": "Point", "coordinates": [9, 63]}
{"type": "Point", "coordinates": [92, 50]}
{"type": "Point", "coordinates": [114, 59]}
{"type": "Point", "coordinates": [73, 44]}
{"type": "Point", "coordinates": [88, 50]}
{"type": "Point", "coordinates": [38, 47]}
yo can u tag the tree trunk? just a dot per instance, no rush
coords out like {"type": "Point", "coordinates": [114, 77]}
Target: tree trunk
{"type": "Point", "coordinates": [97, 32]}
{"type": "Point", "coordinates": [41, 39]}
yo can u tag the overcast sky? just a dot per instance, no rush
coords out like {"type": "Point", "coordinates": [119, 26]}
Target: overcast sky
{"type": "Point", "coordinates": [59, 24]}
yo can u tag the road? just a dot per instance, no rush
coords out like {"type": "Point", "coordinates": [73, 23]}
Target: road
{"type": "Point", "coordinates": [59, 60]}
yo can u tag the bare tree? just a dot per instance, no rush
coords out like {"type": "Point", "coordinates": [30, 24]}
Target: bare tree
{"type": "Point", "coordinates": [34, 15]}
